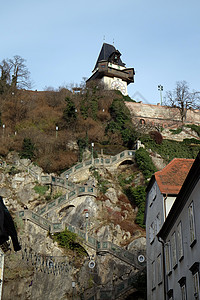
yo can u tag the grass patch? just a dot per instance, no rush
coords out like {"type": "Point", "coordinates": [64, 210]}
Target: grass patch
{"type": "Point", "coordinates": [195, 128]}
{"type": "Point", "coordinates": [41, 189]}
{"type": "Point", "coordinates": [57, 195]}
{"type": "Point", "coordinates": [125, 180]}
{"type": "Point", "coordinates": [102, 184]}
{"type": "Point", "coordinates": [171, 149]}
{"type": "Point", "coordinates": [176, 131]}
{"type": "Point", "coordinates": [68, 240]}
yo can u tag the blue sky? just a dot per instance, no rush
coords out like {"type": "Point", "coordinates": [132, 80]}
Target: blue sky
{"type": "Point", "coordinates": [61, 40]}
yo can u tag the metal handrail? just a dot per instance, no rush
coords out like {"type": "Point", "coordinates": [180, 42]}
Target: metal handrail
{"type": "Point", "coordinates": [91, 241]}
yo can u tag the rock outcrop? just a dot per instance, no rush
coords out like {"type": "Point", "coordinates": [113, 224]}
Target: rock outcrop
{"type": "Point", "coordinates": [43, 270]}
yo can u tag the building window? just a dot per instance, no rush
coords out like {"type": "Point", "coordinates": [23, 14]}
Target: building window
{"type": "Point", "coordinates": [168, 258]}
{"type": "Point", "coordinates": [152, 195]}
{"type": "Point", "coordinates": [196, 285]}
{"type": "Point", "coordinates": [173, 247]}
{"type": "Point", "coordinates": [159, 267]}
{"type": "Point", "coordinates": [179, 241]}
{"type": "Point", "coordinates": [183, 293]}
{"type": "Point", "coordinates": [195, 272]}
{"type": "Point", "coordinates": [170, 294]}
{"type": "Point", "coordinates": [152, 232]}
{"type": "Point", "coordinates": [158, 223]}
{"type": "Point", "coordinates": [182, 283]}
{"type": "Point", "coordinates": [192, 224]}
{"type": "Point", "coordinates": [153, 275]}
{"type": "Point", "coordinates": [103, 66]}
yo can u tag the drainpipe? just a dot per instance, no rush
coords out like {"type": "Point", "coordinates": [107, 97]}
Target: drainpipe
{"type": "Point", "coordinates": [164, 270]}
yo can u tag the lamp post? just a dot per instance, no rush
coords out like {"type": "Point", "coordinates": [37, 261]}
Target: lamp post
{"type": "Point", "coordinates": [73, 288]}
{"type": "Point", "coordinates": [160, 88]}
{"type": "Point", "coordinates": [92, 144]}
{"type": "Point", "coordinates": [67, 177]}
{"type": "Point", "coordinates": [4, 126]}
{"type": "Point", "coordinates": [56, 131]}
{"type": "Point", "coordinates": [86, 223]}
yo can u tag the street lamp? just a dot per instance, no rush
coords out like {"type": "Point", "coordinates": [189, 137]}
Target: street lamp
{"type": "Point", "coordinates": [4, 126]}
{"type": "Point", "coordinates": [92, 144]}
{"type": "Point", "coordinates": [67, 177]}
{"type": "Point", "coordinates": [73, 288]}
{"type": "Point", "coordinates": [56, 131]}
{"type": "Point", "coordinates": [160, 88]}
{"type": "Point", "coordinates": [86, 223]}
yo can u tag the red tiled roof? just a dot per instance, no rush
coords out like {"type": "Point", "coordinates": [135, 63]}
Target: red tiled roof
{"type": "Point", "coordinates": [172, 177]}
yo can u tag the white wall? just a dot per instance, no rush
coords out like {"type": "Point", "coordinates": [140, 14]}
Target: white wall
{"type": "Point", "coordinates": [191, 253]}
{"type": "Point", "coordinates": [154, 209]}
{"type": "Point", "coordinates": [168, 202]}
{"type": "Point", "coordinates": [107, 81]}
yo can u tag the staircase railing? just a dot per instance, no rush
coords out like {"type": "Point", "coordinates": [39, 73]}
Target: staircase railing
{"type": "Point", "coordinates": [79, 190]}
{"type": "Point", "coordinates": [68, 197]}
{"type": "Point", "coordinates": [90, 241]}
{"type": "Point", "coordinates": [114, 292]}
{"type": "Point", "coordinates": [108, 162]}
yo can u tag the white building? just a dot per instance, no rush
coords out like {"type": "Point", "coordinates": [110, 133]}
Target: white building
{"type": "Point", "coordinates": [180, 235]}
{"type": "Point", "coordinates": [162, 191]}
{"type": "Point", "coordinates": [110, 71]}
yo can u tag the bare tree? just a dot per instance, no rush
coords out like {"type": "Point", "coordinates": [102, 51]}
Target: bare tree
{"type": "Point", "coordinates": [5, 68]}
{"type": "Point", "coordinates": [182, 98]}
{"type": "Point", "coordinates": [14, 72]}
{"type": "Point", "coordinates": [21, 74]}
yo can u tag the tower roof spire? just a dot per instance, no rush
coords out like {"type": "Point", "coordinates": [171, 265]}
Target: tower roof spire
{"type": "Point", "coordinates": [106, 53]}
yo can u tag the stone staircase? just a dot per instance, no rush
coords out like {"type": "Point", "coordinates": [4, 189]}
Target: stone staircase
{"type": "Point", "coordinates": [116, 291]}
{"type": "Point", "coordinates": [76, 190]}
{"type": "Point", "coordinates": [90, 241]}
{"type": "Point", "coordinates": [58, 265]}
{"type": "Point", "coordinates": [108, 162]}
{"type": "Point", "coordinates": [100, 247]}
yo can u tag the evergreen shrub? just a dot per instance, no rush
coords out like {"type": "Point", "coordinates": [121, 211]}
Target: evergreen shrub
{"type": "Point", "coordinates": [137, 196]}
{"type": "Point", "coordinates": [145, 163]}
{"type": "Point", "coordinates": [68, 240]}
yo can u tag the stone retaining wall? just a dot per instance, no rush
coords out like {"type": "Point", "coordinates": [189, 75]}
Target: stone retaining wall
{"type": "Point", "coordinates": [157, 115]}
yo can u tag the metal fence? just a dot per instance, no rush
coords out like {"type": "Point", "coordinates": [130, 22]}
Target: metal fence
{"type": "Point", "coordinates": [91, 241]}
{"type": "Point", "coordinates": [100, 161]}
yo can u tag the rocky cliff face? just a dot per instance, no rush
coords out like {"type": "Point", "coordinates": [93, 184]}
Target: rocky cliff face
{"type": "Point", "coordinates": [43, 270]}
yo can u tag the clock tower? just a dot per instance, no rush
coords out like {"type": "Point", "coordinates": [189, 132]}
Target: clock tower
{"type": "Point", "coordinates": [111, 71]}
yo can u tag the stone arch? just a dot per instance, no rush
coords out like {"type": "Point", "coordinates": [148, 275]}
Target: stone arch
{"type": "Point", "coordinates": [66, 209]}
{"type": "Point", "coordinates": [142, 121]}
{"type": "Point", "coordinates": [126, 162]}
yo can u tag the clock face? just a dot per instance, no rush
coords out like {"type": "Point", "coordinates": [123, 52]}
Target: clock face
{"type": "Point", "coordinates": [118, 85]}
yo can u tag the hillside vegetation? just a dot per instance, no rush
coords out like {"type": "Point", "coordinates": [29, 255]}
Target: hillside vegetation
{"type": "Point", "coordinates": [54, 128]}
